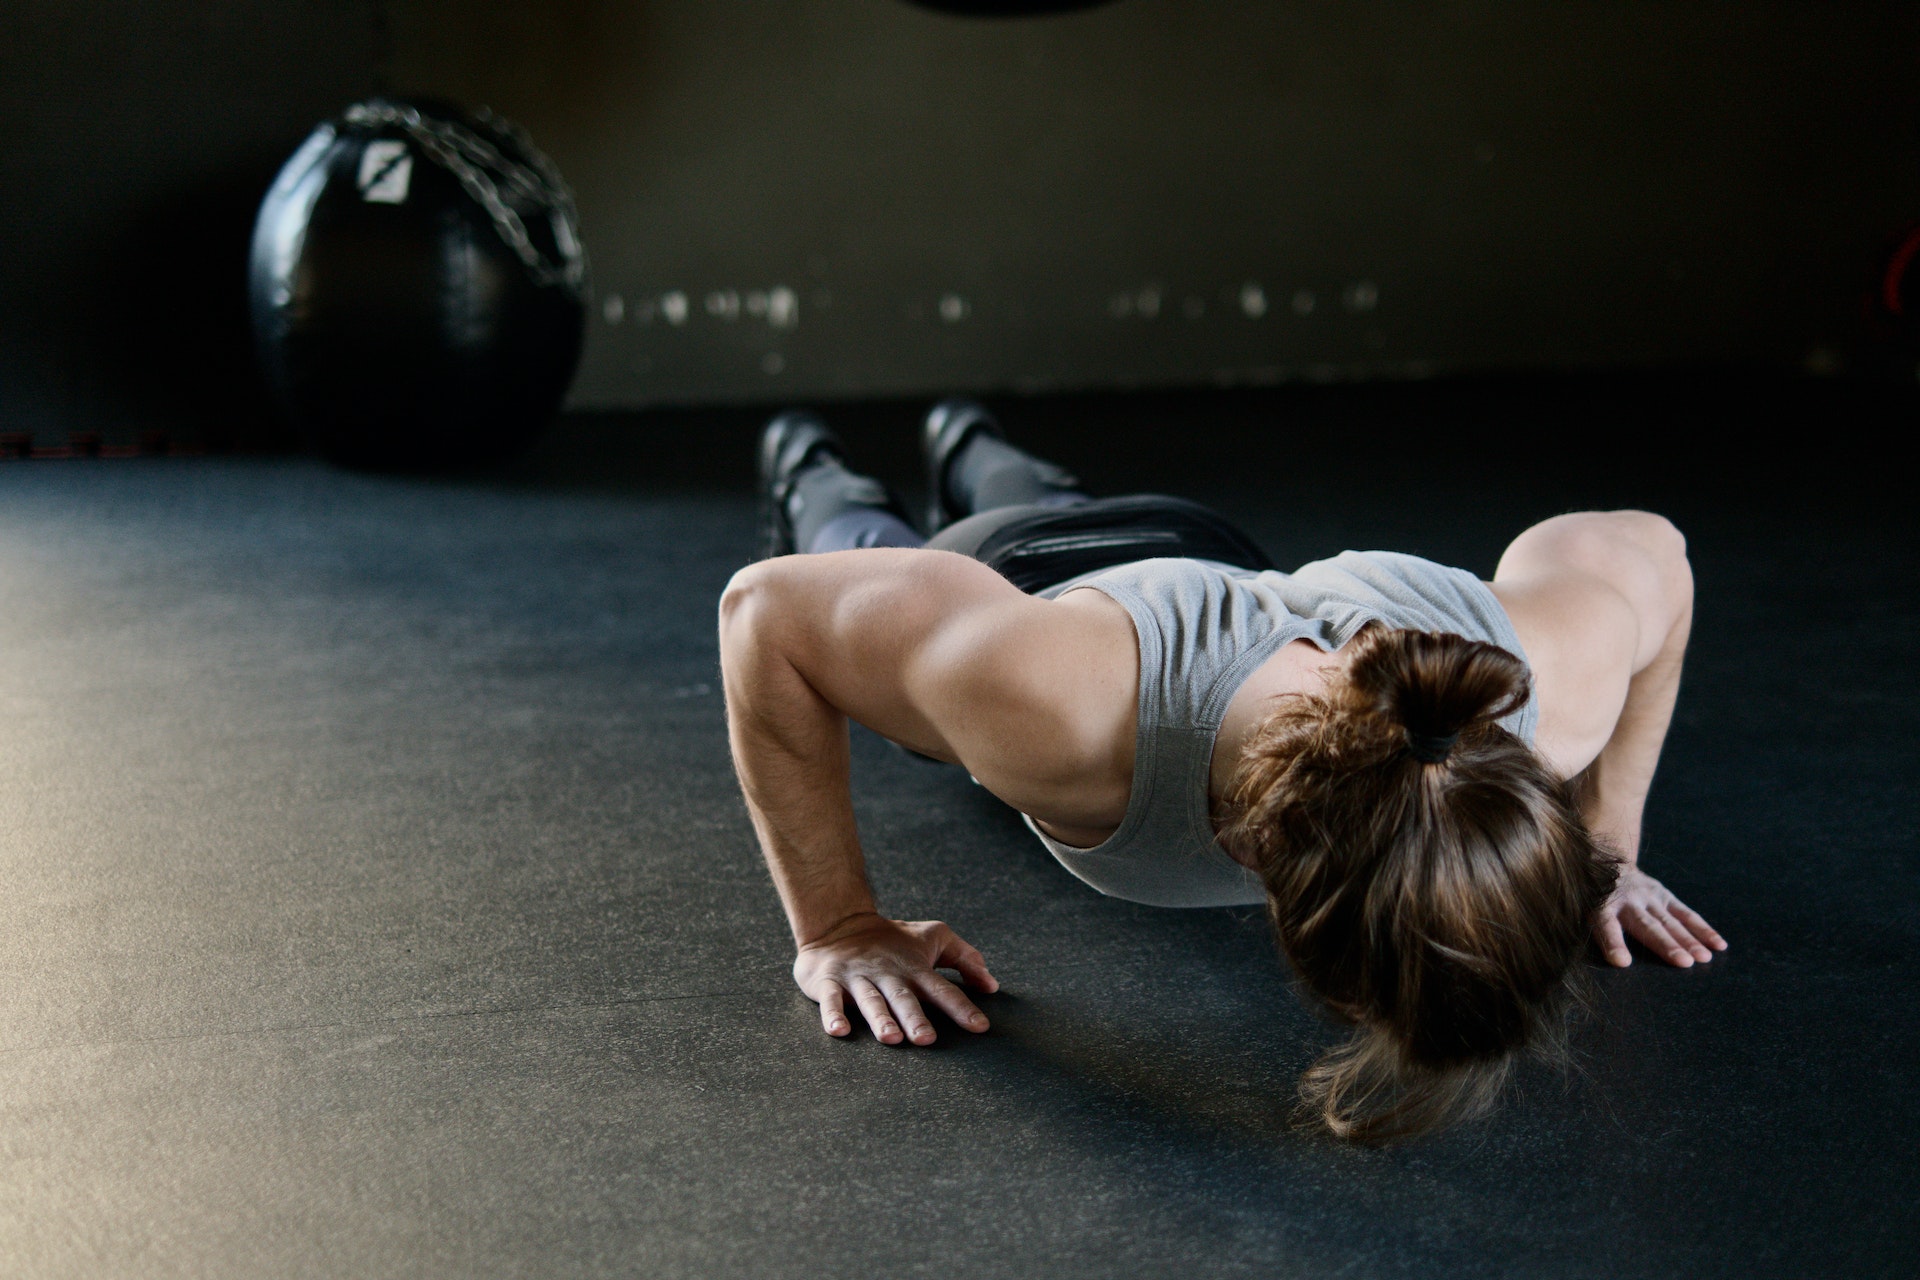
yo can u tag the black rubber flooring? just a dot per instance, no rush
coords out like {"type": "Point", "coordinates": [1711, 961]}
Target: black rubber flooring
{"type": "Point", "coordinates": [375, 898]}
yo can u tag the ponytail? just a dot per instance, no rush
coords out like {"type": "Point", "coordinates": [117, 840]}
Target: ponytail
{"type": "Point", "coordinates": [1428, 878]}
{"type": "Point", "coordinates": [1368, 1090]}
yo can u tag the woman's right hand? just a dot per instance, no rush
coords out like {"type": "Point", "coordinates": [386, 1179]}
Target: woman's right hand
{"type": "Point", "coordinates": [887, 967]}
{"type": "Point", "coordinates": [1661, 922]}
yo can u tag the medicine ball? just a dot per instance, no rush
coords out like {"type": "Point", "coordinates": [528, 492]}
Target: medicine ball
{"type": "Point", "coordinates": [418, 286]}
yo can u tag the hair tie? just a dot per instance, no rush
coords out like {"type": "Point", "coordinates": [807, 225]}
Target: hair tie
{"type": "Point", "coordinates": [1431, 748]}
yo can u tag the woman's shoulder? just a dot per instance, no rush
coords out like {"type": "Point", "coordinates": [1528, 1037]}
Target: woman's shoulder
{"type": "Point", "coordinates": [1579, 637]}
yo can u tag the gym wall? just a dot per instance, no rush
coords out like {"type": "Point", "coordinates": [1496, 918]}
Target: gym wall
{"type": "Point", "coordinates": [135, 143]}
{"type": "Point", "coordinates": [843, 197]}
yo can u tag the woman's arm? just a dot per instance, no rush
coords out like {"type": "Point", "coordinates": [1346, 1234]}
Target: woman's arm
{"type": "Point", "coordinates": [1604, 604]}
{"type": "Point", "coordinates": [801, 639]}
{"type": "Point", "coordinates": [938, 653]}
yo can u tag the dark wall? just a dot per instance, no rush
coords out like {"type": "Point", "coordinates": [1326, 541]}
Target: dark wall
{"type": "Point", "coordinates": [135, 142]}
{"type": "Point", "coordinates": [1449, 186]}
{"type": "Point", "coordinates": [1152, 192]}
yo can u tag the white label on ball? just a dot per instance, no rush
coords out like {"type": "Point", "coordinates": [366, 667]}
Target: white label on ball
{"type": "Point", "coordinates": [386, 171]}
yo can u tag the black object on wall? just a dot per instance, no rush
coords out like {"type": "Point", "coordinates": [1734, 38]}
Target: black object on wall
{"type": "Point", "coordinates": [1007, 8]}
{"type": "Point", "coordinates": [1897, 307]}
{"type": "Point", "coordinates": [418, 286]}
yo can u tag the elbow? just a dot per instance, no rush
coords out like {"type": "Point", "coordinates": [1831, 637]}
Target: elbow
{"type": "Point", "coordinates": [1661, 579]}
{"type": "Point", "coordinates": [1680, 574]}
{"type": "Point", "coordinates": [1666, 547]}
{"type": "Point", "coordinates": [1661, 539]}
{"type": "Point", "coordinates": [741, 591]}
{"type": "Point", "coordinates": [1640, 534]}
{"type": "Point", "coordinates": [743, 606]}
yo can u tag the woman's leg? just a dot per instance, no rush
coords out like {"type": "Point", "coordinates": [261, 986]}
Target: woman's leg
{"type": "Point", "coordinates": [1036, 547]}
{"type": "Point", "coordinates": [986, 485]}
{"type": "Point", "coordinates": [1033, 522]}
{"type": "Point", "coordinates": [971, 468]}
{"type": "Point", "coordinates": [811, 501]}
{"type": "Point", "coordinates": [968, 535]}
{"type": "Point", "coordinates": [986, 480]}
{"type": "Point", "coordinates": [834, 508]}
{"type": "Point", "coordinates": [987, 473]}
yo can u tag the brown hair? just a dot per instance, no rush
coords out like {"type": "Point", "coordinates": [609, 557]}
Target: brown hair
{"type": "Point", "coordinates": [1429, 879]}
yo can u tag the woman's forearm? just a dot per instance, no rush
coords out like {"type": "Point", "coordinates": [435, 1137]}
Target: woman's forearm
{"type": "Point", "coordinates": [790, 749]}
{"type": "Point", "coordinates": [1617, 782]}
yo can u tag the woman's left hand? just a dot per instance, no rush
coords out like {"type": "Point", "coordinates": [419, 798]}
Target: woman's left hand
{"type": "Point", "coordinates": [1661, 922]}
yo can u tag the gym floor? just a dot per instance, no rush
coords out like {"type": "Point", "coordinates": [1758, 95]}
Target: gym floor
{"type": "Point", "coordinates": [378, 900]}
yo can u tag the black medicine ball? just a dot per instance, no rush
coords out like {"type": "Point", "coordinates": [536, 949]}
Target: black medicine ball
{"type": "Point", "coordinates": [418, 286]}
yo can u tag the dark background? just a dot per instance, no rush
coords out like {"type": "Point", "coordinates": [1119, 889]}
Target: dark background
{"type": "Point", "coordinates": [1084, 201]}
{"type": "Point", "coordinates": [375, 893]}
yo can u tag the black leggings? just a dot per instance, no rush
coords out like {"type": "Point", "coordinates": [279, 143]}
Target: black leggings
{"type": "Point", "coordinates": [1037, 546]}
{"type": "Point", "coordinates": [1030, 520]}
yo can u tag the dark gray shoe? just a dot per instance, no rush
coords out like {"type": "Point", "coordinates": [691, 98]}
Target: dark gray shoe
{"type": "Point", "coordinates": [789, 444]}
{"type": "Point", "coordinates": [949, 425]}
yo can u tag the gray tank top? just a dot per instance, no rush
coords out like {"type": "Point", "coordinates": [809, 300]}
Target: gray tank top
{"type": "Point", "coordinates": [1203, 629]}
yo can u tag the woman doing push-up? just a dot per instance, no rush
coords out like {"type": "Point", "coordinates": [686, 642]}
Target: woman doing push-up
{"type": "Point", "coordinates": [1434, 783]}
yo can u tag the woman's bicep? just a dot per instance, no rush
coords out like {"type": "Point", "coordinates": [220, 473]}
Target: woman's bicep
{"type": "Point", "coordinates": [943, 655]}
{"type": "Point", "coordinates": [858, 626]}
